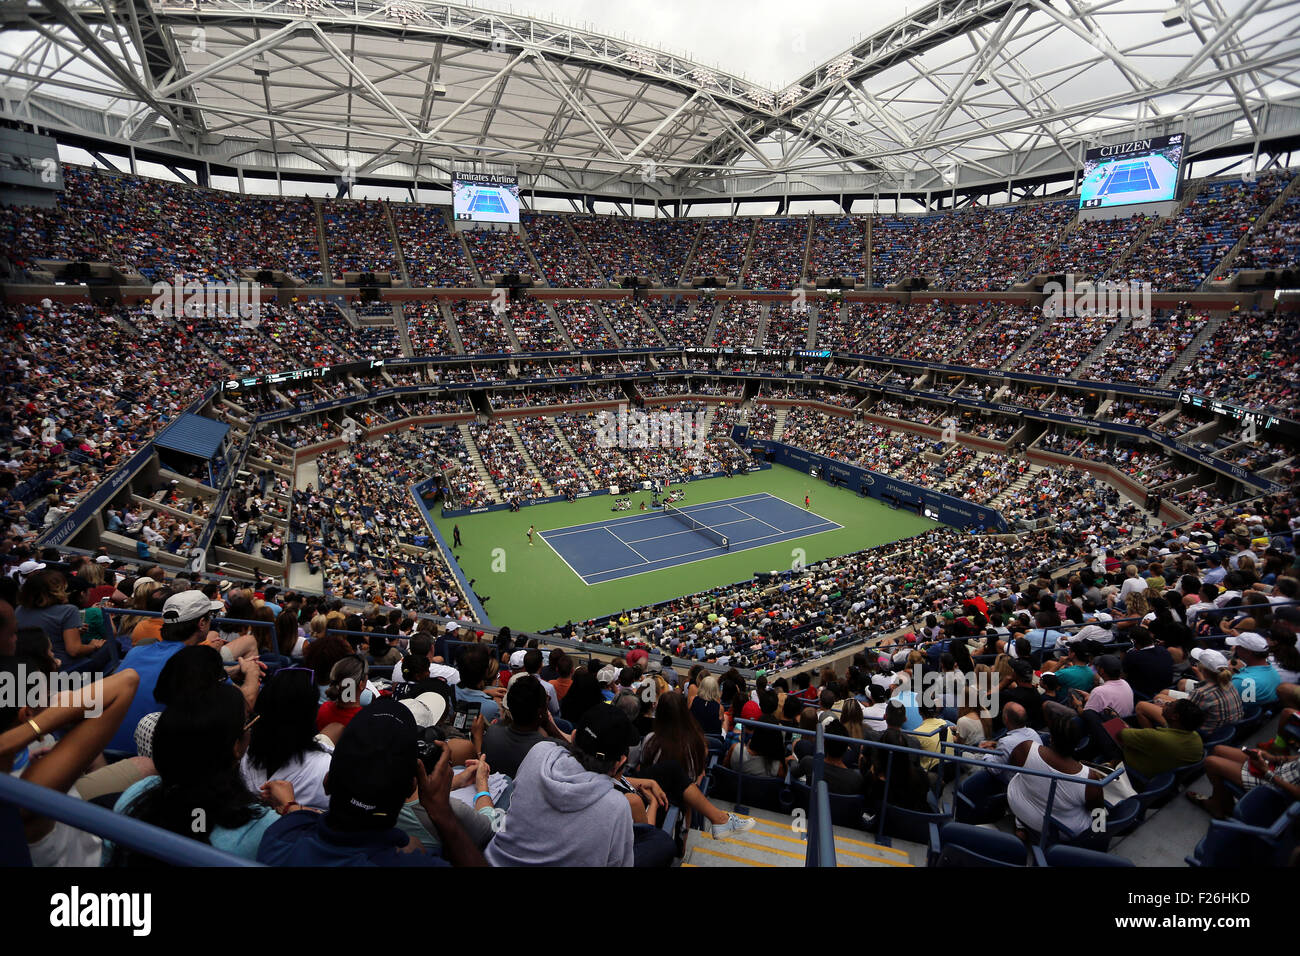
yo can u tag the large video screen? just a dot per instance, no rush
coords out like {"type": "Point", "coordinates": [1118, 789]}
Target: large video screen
{"type": "Point", "coordinates": [1123, 174]}
{"type": "Point", "coordinates": [485, 197]}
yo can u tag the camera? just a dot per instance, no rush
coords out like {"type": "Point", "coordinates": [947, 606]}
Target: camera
{"type": "Point", "coordinates": [427, 749]}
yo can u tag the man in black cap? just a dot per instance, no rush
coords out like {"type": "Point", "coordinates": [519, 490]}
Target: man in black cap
{"type": "Point", "coordinates": [374, 769]}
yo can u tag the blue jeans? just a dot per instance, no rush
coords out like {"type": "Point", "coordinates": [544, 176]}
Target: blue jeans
{"type": "Point", "coordinates": [104, 660]}
{"type": "Point", "coordinates": [652, 847]}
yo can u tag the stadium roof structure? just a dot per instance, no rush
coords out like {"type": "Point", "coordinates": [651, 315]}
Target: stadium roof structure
{"type": "Point", "coordinates": [956, 95]}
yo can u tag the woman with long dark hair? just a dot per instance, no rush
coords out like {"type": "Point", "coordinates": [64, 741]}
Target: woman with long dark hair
{"type": "Point", "coordinates": [283, 743]}
{"type": "Point", "coordinates": [43, 602]}
{"type": "Point", "coordinates": [198, 791]}
{"type": "Point", "coordinates": [675, 755]}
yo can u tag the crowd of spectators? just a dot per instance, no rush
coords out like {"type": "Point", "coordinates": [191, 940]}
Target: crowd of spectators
{"type": "Point", "coordinates": [776, 259]}
{"type": "Point", "coordinates": [1146, 353]}
{"type": "Point", "coordinates": [585, 324]}
{"type": "Point", "coordinates": [432, 252]}
{"type": "Point", "coordinates": [498, 251]}
{"type": "Point", "coordinates": [1253, 359]}
{"type": "Point", "coordinates": [1065, 343]}
{"type": "Point", "coordinates": [1093, 247]}
{"type": "Point", "coordinates": [358, 236]}
{"type": "Point", "coordinates": [720, 248]}
{"type": "Point", "coordinates": [481, 329]}
{"type": "Point", "coordinates": [1185, 249]}
{"type": "Point", "coordinates": [1277, 244]}
{"type": "Point", "coordinates": [559, 252]}
{"type": "Point", "coordinates": [838, 247]}
{"type": "Point", "coordinates": [534, 327]}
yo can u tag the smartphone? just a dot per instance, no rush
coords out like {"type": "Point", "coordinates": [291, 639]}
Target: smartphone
{"type": "Point", "coordinates": [465, 717]}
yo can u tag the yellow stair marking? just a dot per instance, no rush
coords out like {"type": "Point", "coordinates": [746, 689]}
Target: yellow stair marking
{"type": "Point", "coordinates": [768, 849]}
{"type": "Point", "coordinates": [867, 856]}
{"type": "Point", "coordinates": [838, 840]}
{"type": "Point", "coordinates": [869, 845]}
{"type": "Point", "coordinates": [726, 856]}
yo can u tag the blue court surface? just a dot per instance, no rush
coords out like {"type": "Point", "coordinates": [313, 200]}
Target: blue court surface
{"type": "Point", "coordinates": [1129, 177]}
{"type": "Point", "coordinates": [651, 541]}
{"type": "Point", "coordinates": [486, 200]}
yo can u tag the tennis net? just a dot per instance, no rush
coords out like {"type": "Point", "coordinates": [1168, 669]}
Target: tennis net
{"type": "Point", "coordinates": [712, 534]}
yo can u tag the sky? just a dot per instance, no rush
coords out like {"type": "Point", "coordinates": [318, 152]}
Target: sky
{"type": "Point", "coordinates": [770, 42]}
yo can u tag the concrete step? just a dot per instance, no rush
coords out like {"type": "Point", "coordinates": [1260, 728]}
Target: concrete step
{"type": "Point", "coordinates": [780, 840]}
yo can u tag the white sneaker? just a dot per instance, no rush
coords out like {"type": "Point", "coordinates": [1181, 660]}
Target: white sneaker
{"type": "Point", "coordinates": [734, 825]}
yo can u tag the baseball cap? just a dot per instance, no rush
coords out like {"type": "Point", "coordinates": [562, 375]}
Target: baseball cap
{"type": "Point", "coordinates": [372, 771]}
{"type": "Point", "coordinates": [1209, 658]}
{"type": "Point", "coordinates": [30, 567]}
{"type": "Point", "coordinates": [427, 709]}
{"type": "Point", "coordinates": [607, 674]}
{"type": "Point", "coordinates": [103, 559]}
{"type": "Point", "coordinates": [186, 606]}
{"type": "Point", "coordinates": [1250, 641]}
{"type": "Point", "coordinates": [603, 732]}
{"type": "Point", "coordinates": [751, 711]}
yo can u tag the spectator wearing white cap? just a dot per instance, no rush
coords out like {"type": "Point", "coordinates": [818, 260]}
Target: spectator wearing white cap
{"type": "Point", "coordinates": [1256, 679]}
{"type": "Point", "coordinates": [187, 618]}
{"type": "Point", "coordinates": [1212, 690]}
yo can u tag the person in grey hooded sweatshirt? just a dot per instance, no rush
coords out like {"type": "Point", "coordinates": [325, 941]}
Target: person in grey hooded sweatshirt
{"type": "Point", "coordinates": [571, 806]}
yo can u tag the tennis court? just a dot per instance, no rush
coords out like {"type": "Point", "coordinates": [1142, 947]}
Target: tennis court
{"type": "Point", "coordinates": [652, 540]}
{"type": "Point", "coordinates": [486, 201]}
{"type": "Point", "coordinates": [1129, 177]}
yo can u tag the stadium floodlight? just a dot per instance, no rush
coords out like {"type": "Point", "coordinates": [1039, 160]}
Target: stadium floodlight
{"type": "Point", "coordinates": [1174, 16]}
{"type": "Point", "coordinates": [641, 57]}
{"type": "Point", "coordinates": [981, 80]}
{"type": "Point", "coordinates": [761, 97]}
{"type": "Point", "coordinates": [405, 11]}
{"type": "Point", "coordinates": [261, 66]}
{"type": "Point", "coordinates": [704, 77]}
{"type": "Point", "coordinates": [840, 66]}
{"type": "Point", "coordinates": [438, 89]}
{"type": "Point", "coordinates": [790, 95]}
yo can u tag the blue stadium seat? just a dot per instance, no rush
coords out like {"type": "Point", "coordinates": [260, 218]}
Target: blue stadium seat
{"type": "Point", "coordinates": [980, 797]}
{"type": "Point", "coordinates": [914, 825]}
{"type": "Point", "coordinates": [767, 793]}
{"type": "Point", "coordinates": [1073, 856]}
{"type": "Point", "coordinates": [846, 810]}
{"type": "Point", "coordinates": [959, 844]}
{"type": "Point", "coordinates": [1262, 832]}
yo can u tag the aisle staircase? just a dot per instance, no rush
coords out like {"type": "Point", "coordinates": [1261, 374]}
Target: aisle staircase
{"type": "Point", "coordinates": [568, 447]}
{"type": "Point", "coordinates": [476, 463]}
{"type": "Point", "coordinates": [1116, 330]}
{"type": "Point", "coordinates": [778, 425]}
{"type": "Point", "coordinates": [779, 840]}
{"type": "Point", "coordinates": [520, 447]}
{"type": "Point", "coordinates": [1193, 348]}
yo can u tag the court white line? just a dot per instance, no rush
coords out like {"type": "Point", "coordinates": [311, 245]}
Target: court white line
{"type": "Point", "coordinates": [670, 534]}
{"type": "Point", "coordinates": [593, 525]}
{"type": "Point", "coordinates": [556, 552]}
{"type": "Point", "coordinates": [759, 520]}
{"type": "Point", "coordinates": [626, 545]}
{"type": "Point", "coordinates": [678, 564]}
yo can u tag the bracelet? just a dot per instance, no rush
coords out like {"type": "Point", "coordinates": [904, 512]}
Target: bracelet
{"type": "Point", "coordinates": [36, 730]}
{"type": "Point", "coordinates": [482, 793]}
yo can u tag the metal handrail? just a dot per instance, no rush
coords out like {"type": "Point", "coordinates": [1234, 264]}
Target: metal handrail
{"type": "Point", "coordinates": [170, 848]}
